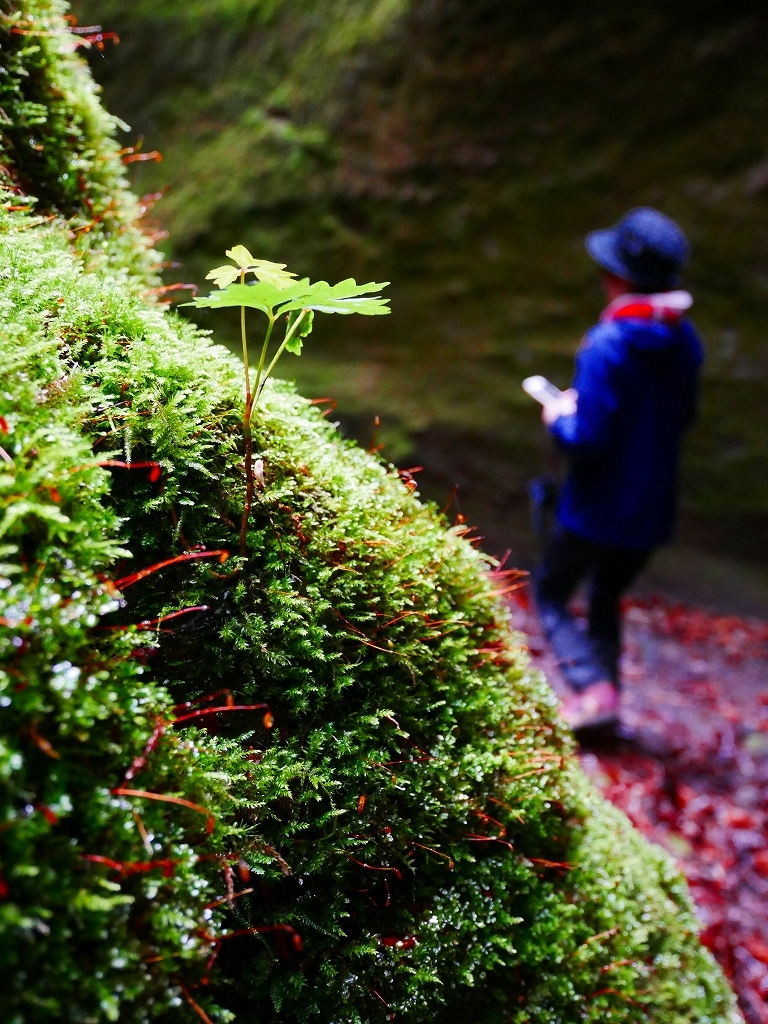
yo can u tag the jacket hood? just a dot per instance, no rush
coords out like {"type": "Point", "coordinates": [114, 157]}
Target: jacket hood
{"type": "Point", "coordinates": [649, 321]}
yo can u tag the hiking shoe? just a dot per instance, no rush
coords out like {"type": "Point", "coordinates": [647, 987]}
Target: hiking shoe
{"type": "Point", "coordinates": [595, 706]}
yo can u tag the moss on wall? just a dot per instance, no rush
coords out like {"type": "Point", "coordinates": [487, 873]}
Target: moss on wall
{"type": "Point", "coordinates": [465, 154]}
{"type": "Point", "coordinates": [56, 142]}
{"type": "Point", "coordinates": [384, 815]}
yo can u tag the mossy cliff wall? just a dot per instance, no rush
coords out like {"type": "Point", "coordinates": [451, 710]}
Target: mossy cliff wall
{"type": "Point", "coordinates": [386, 818]}
{"type": "Point", "coordinates": [463, 155]}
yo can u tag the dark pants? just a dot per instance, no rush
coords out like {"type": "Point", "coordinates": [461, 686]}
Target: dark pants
{"type": "Point", "coordinates": [585, 656]}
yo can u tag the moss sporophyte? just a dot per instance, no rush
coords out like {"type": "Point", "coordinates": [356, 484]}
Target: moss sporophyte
{"type": "Point", "coordinates": [276, 293]}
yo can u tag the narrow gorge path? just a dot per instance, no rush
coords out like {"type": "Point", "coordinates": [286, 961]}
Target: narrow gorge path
{"type": "Point", "coordinates": [691, 771]}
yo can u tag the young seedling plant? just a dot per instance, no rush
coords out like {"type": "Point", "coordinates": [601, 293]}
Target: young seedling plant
{"type": "Point", "coordinates": [277, 293]}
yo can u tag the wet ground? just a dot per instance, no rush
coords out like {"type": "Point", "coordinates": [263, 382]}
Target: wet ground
{"type": "Point", "coordinates": [691, 768]}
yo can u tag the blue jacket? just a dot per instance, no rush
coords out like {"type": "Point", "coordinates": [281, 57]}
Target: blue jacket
{"type": "Point", "coordinates": [636, 377]}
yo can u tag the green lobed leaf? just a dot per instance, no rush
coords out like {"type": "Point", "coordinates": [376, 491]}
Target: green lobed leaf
{"type": "Point", "coordinates": [273, 299]}
{"type": "Point", "coordinates": [222, 276]}
{"type": "Point", "coordinates": [303, 331]}
{"type": "Point", "coordinates": [263, 295]}
{"type": "Point", "coordinates": [264, 270]}
{"type": "Point", "coordinates": [345, 297]}
{"type": "Point", "coordinates": [241, 256]}
{"type": "Point", "coordinates": [275, 273]}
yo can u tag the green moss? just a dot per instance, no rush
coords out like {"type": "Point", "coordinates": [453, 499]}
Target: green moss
{"type": "Point", "coordinates": [56, 144]}
{"type": "Point", "coordinates": [415, 814]}
{"type": "Point", "coordinates": [77, 705]}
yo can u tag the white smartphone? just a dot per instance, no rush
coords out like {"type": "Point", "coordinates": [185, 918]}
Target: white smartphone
{"type": "Point", "coordinates": [541, 389]}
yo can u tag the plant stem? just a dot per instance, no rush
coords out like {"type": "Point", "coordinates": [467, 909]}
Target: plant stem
{"type": "Point", "coordinates": [263, 355]}
{"type": "Point", "coordinates": [245, 349]}
{"type": "Point", "coordinates": [250, 402]}
{"type": "Point", "coordinates": [279, 352]}
{"type": "Point", "coordinates": [248, 437]}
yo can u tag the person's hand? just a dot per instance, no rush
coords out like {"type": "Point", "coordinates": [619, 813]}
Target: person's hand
{"type": "Point", "coordinates": [565, 405]}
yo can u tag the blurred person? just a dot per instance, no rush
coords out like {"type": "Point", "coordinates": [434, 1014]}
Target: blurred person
{"type": "Point", "coordinates": [619, 426]}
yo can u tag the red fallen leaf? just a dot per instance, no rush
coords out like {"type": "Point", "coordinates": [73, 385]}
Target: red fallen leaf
{"type": "Point", "coordinates": [703, 794]}
{"type": "Point", "coordinates": [730, 713]}
{"type": "Point", "coordinates": [706, 895]}
{"type": "Point", "coordinates": [713, 938]}
{"type": "Point", "coordinates": [684, 795]}
{"type": "Point", "coordinates": [760, 862]}
{"type": "Point", "coordinates": [735, 635]}
{"type": "Point", "coordinates": [737, 817]}
{"type": "Point", "coordinates": [757, 948]}
{"type": "Point", "coordinates": [4, 425]}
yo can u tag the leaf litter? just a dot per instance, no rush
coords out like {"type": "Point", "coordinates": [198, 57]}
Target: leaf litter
{"type": "Point", "coordinates": [690, 769]}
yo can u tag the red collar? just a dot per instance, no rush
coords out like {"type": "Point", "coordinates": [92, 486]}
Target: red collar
{"type": "Point", "coordinates": [664, 307]}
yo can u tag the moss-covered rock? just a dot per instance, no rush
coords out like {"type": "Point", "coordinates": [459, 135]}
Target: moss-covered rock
{"type": "Point", "coordinates": [384, 817]}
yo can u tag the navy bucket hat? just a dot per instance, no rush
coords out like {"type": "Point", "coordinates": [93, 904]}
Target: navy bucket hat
{"type": "Point", "coordinates": [646, 248]}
